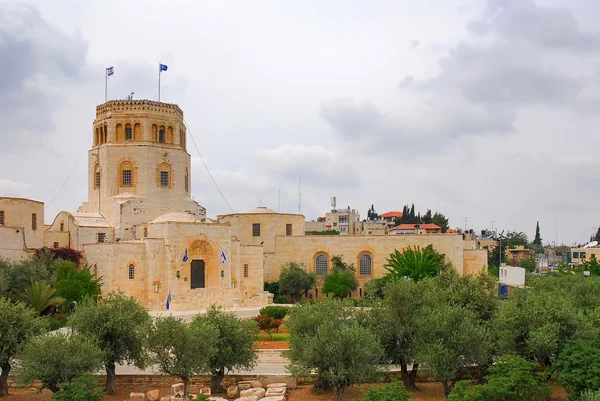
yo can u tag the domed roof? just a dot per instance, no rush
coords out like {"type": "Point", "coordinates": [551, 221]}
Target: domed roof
{"type": "Point", "coordinates": [176, 217]}
{"type": "Point", "coordinates": [261, 209]}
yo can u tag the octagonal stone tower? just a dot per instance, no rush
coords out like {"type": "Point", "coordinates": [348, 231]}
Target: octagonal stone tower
{"type": "Point", "coordinates": [138, 166]}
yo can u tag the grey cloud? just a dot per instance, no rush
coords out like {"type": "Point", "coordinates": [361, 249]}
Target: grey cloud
{"type": "Point", "coordinates": [525, 20]}
{"type": "Point", "coordinates": [352, 118]}
{"type": "Point", "coordinates": [502, 73]}
{"type": "Point", "coordinates": [37, 60]}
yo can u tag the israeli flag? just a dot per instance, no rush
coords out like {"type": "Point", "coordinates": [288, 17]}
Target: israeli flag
{"type": "Point", "coordinates": [168, 300]}
{"type": "Point", "coordinates": [223, 257]}
{"type": "Point", "coordinates": [185, 256]}
{"type": "Point", "coordinates": [162, 67]}
{"type": "Point", "coordinates": [110, 71]}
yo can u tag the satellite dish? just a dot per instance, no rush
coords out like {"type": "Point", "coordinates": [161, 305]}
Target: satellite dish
{"type": "Point", "coordinates": [591, 244]}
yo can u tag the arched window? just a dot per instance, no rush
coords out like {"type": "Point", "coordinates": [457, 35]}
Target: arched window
{"type": "Point", "coordinates": [105, 133]}
{"type": "Point", "coordinates": [365, 266]}
{"type": "Point", "coordinates": [246, 270]}
{"type": "Point", "coordinates": [126, 174]}
{"type": "Point", "coordinates": [182, 138]}
{"type": "Point", "coordinates": [163, 177]}
{"type": "Point", "coordinates": [161, 134]}
{"type": "Point", "coordinates": [128, 132]}
{"type": "Point", "coordinates": [97, 177]}
{"type": "Point", "coordinates": [321, 264]}
{"type": "Point", "coordinates": [97, 137]}
{"type": "Point", "coordinates": [154, 133]}
{"type": "Point", "coordinates": [131, 272]}
{"type": "Point", "coordinates": [187, 181]}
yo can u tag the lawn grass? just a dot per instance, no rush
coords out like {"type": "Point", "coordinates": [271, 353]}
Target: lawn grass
{"type": "Point", "coordinates": [276, 337]}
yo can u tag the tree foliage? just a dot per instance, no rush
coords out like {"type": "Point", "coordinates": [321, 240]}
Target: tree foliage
{"type": "Point", "coordinates": [40, 297]}
{"type": "Point", "coordinates": [181, 350]}
{"type": "Point", "coordinates": [415, 263]}
{"type": "Point", "coordinates": [326, 339]}
{"type": "Point", "coordinates": [296, 281]}
{"type": "Point", "coordinates": [450, 338]}
{"type": "Point", "coordinates": [235, 340]}
{"type": "Point", "coordinates": [118, 324]}
{"type": "Point", "coordinates": [76, 284]}
{"type": "Point", "coordinates": [578, 367]}
{"type": "Point", "coordinates": [342, 279]}
{"type": "Point", "coordinates": [18, 324]}
{"type": "Point", "coordinates": [55, 359]}
{"type": "Point", "coordinates": [537, 240]}
{"type": "Point", "coordinates": [510, 378]}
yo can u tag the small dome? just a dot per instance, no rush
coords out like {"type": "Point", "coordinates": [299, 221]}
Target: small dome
{"type": "Point", "coordinates": [261, 209]}
{"type": "Point", "coordinates": [176, 217]}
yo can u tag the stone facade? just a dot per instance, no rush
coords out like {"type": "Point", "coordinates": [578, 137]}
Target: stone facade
{"type": "Point", "coordinates": [142, 232]}
{"type": "Point", "coordinates": [21, 227]}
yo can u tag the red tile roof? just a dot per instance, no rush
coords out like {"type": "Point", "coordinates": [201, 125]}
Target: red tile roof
{"type": "Point", "coordinates": [428, 226]}
{"type": "Point", "coordinates": [391, 214]}
{"type": "Point", "coordinates": [450, 231]}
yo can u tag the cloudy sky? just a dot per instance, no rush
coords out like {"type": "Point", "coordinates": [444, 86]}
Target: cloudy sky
{"type": "Point", "coordinates": [479, 109]}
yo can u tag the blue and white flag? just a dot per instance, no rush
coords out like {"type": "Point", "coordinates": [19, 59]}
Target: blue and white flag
{"type": "Point", "coordinates": [185, 256]}
{"type": "Point", "coordinates": [110, 71]}
{"type": "Point", "coordinates": [162, 67]}
{"type": "Point", "coordinates": [223, 257]}
{"type": "Point", "coordinates": [168, 300]}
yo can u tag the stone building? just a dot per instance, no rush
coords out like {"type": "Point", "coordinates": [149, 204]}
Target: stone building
{"type": "Point", "coordinates": [146, 236]}
{"type": "Point", "coordinates": [21, 227]}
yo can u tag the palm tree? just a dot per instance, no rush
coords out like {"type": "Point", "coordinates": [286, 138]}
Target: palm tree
{"type": "Point", "coordinates": [415, 264]}
{"type": "Point", "coordinates": [40, 296]}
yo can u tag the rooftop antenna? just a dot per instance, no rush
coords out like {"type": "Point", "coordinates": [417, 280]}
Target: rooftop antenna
{"type": "Point", "coordinates": [466, 218]}
{"type": "Point", "coordinates": [260, 198]}
{"type": "Point", "coordinates": [279, 200]}
{"type": "Point", "coordinates": [333, 203]}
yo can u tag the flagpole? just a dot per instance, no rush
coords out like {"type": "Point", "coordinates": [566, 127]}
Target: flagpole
{"type": "Point", "coordinates": [159, 71]}
{"type": "Point", "coordinates": [105, 85]}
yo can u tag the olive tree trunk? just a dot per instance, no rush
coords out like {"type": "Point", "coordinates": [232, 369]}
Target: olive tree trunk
{"type": "Point", "coordinates": [4, 378]}
{"type": "Point", "coordinates": [111, 383]}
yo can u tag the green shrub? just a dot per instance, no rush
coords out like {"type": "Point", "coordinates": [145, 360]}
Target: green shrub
{"type": "Point", "coordinates": [55, 324]}
{"type": "Point", "coordinates": [590, 395]}
{"type": "Point", "coordinates": [282, 299]}
{"type": "Point", "coordinates": [278, 312]}
{"type": "Point", "coordinates": [84, 388]}
{"type": "Point", "coordinates": [392, 392]}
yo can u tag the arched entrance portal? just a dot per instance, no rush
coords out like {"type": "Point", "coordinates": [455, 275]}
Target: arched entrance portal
{"type": "Point", "coordinates": [200, 253]}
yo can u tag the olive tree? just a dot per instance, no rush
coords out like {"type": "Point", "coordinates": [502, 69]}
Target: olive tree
{"type": "Point", "coordinates": [56, 358]}
{"type": "Point", "coordinates": [182, 350]}
{"type": "Point", "coordinates": [17, 325]}
{"type": "Point", "coordinates": [235, 340]}
{"type": "Point", "coordinates": [450, 338]}
{"type": "Point", "coordinates": [337, 348]}
{"type": "Point", "coordinates": [295, 280]}
{"type": "Point", "coordinates": [119, 325]}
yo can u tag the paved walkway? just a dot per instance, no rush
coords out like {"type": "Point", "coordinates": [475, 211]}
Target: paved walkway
{"type": "Point", "coordinates": [187, 315]}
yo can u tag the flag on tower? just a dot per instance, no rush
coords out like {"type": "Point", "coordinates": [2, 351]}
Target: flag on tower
{"type": "Point", "coordinates": [162, 67]}
{"type": "Point", "coordinates": [168, 300]}
{"type": "Point", "coordinates": [110, 71]}
{"type": "Point", "coordinates": [185, 256]}
{"type": "Point", "coordinates": [223, 257]}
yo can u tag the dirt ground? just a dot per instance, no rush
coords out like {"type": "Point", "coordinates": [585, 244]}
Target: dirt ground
{"type": "Point", "coordinates": [426, 392]}
{"type": "Point", "coordinates": [266, 344]}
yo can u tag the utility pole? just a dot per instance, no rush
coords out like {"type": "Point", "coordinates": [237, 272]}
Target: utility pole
{"type": "Point", "coordinates": [466, 219]}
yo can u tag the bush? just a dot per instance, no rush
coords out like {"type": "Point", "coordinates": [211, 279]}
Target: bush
{"type": "Point", "coordinates": [282, 299]}
{"type": "Point", "coordinates": [55, 324]}
{"type": "Point", "coordinates": [392, 392]}
{"type": "Point", "coordinates": [84, 388]}
{"type": "Point", "coordinates": [278, 312]}
{"type": "Point", "coordinates": [590, 395]}
{"type": "Point", "coordinates": [268, 323]}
